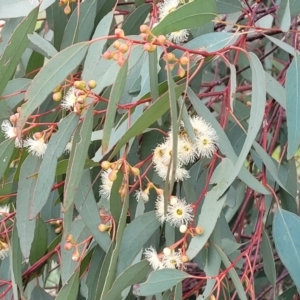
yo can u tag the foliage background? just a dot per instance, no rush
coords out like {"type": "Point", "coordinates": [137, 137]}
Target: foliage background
{"type": "Point", "coordinates": [242, 77]}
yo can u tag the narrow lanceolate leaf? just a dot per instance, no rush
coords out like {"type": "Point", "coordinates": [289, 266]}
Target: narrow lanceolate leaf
{"type": "Point", "coordinates": [80, 146]}
{"type": "Point", "coordinates": [17, 44]}
{"type": "Point", "coordinates": [129, 277]}
{"type": "Point", "coordinates": [191, 15]}
{"type": "Point", "coordinates": [42, 46]}
{"type": "Point", "coordinates": [111, 273]}
{"type": "Point", "coordinates": [70, 289]}
{"type": "Point", "coordinates": [80, 24]}
{"type": "Point", "coordinates": [91, 59]}
{"type": "Point", "coordinates": [226, 7]}
{"type": "Point", "coordinates": [114, 98]}
{"type": "Point", "coordinates": [292, 86]}
{"type": "Point", "coordinates": [16, 258]}
{"type": "Point", "coordinates": [268, 258]}
{"type": "Point", "coordinates": [52, 74]}
{"type": "Point", "coordinates": [6, 150]}
{"type": "Point", "coordinates": [286, 238]}
{"type": "Point", "coordinates": [232, 85]}
{"type": "Point", "coordinates": [46, 175]}
{"type": "Point", "coordinates": [136, 234]}
{"type": "Point", "coordinates": [152, 114]}
{"type": "Point", "coordinates": [159, 281]}
{"type": "Point", "coordinates": [26, 187]}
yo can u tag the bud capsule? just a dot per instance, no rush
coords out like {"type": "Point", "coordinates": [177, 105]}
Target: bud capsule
{"type": "Point", "coordinates": [67, 9]}
{"type": "Point", "coordinates": [108, 55]}
{"type": "Point", "coordinates": [79, 85]}
{"type": "Point", "coordinates": [199, 230]}
{"type": "Point", "coordinates": [57, 96]}
{"type": "Point", "coordinates": [184, 258]}
{"type": "Point", "coordinates": [92, 84]}
{"type": "Point", "coordinates": [144, 29]}
{"type": "Point", "coordinates": [161, 39]}
{"type": "Point", "coordinates": [184, 60]}
{"type": "Point", "coordinates": [105, 165]}
{"type": "Point", "coordinates": [119, 33]}
{"type": "Point", "coordinates": [116, 44]}
{"type": "Point", "coordinates": [68, 246]}
{"type": "Point", "coordinates": [103, 227]}
{"type": "Point", "coordinates": [123, 48]}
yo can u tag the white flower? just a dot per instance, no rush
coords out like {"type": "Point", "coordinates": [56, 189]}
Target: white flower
{"type": "Point", "coordinates": [10, 132]}
{"type": "Point", "coordinates": [162, 153]}
{"type": "Point", "coordinates": [166, 7]}
{"type": "Point", "coordinates": [142, 195]}
{"type": "Point", "coordinates": [36, 147]}
{"type": "Point", "coordinates": [105, 187]}
{"type": "Point", "coordinates": [179, 213]}
{"type": "Point", "coordinates": [159, 208]}
{"type": "Point", "coordinates": [4, 250]}
{"type": "Point", "coordinates": [179, 36]}
{"type": "Point", "coordinates": [187, 151]}
{"type": "Point", "coordinates": [69, 99]}
{"type": "Point", "coordinates": [173, 260]}
{"type": "Point", "coordinates": [206, 145]}
{"type": "Point", "coordinates": [180, 172]}
{"type": "Point", "coordinates": [4, 210]}
{"type": "Point", "coordinates": [199, 125]}
{"type": "Point", "coordinates": [154, 260]}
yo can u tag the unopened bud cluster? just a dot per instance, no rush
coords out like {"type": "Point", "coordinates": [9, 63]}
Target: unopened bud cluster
{"type": "Point", "coordinates": [76, 96]}
{"type": "Point", "coordinates": [151, 39]}
{"type": "Point", "coordinates": [172, 61]}
{"type": "Point", "coordinates": [58, 224]}
{"type": "Point", "coordinates": [121, 49]}
{"type": "Point", "coordinates": [70, 244]}
{"type": "Point", "coordinates": [67, 8]}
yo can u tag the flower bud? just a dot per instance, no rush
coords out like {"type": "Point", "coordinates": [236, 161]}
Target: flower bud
{"type": "Point", "coordinates": [184, 258]}
{"type": "Point", "coordinates": [183, 228]}
{"type": "Point", "coordinates": [144, 29]}
{"type": "Point", "coordinates": [199, 230]}
{"type": "Point", "coordinates": [67, 9]}
{"type": "Point", "coordinates": [58, 230]}
{"type": "Point", "coordinates": [105, 165]}
{"type": "Point", "coordinates": [68, 246]}
{"type": "Point", "coordinates": [161, 39]}
{"type": "Point", "coordinates": [13, 119]}
{"type": "Point", "coordinates": [92, 84]}
{"type": "Point", "coordinates": [57, 89]}
{"type": "Point", "coordinates": [119, 33]}
{"type": "Point", "coordinates": [135, 171]}
{"type": "Point", "coordinates": [170, 57]}
{"type": "Point", "coordinates": [184, 60]}
{"type": "Point", "coordinates": [75, 255]}
{"type": "Point", "coordinates": [112, 176]}
{"type": "Point", "coordinates": [38, 135]}
{"type": "Point", "coordinates": [116, 44]}
{"type": "Point", "coordinates": [173, 200]}
{"type": "Point", "coordinates": [180, 72]}
{"type": "Point", "coordinates": [144, 36]}
{"type": "Point", "coordinates": [121, 61]}
{"type": "Point", "coordinates": [149, 47]}
{"type": "Point", "coordinates": [79, 85]}
{"type": "Point", "coordinates": [103, 227]}
{"type": "Point", "coordinates": [123, 48]}
{"type": "Point", "coordinates": [70, 239]}
{"type": "Point", "coordinates": [57, 96]}
{"type": "Point", "coordinates": [116, 56]}
{"type": "Point", "coordinates": [108, 55]}
{"type": "Point", "coordinates": [167, 251]}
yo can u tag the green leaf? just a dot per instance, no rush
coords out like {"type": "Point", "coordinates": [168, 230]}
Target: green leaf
{"type": "Point", "coordinates": [38, 293]}
{"type": "Point", "coordinates": [127, 278]}
{"type": "Point", "coordinates": [228, 6]}
{"type": "Point", "coordinates": [178, 291]}
{"type": "Point", "coordinates": [292, 86]}
{"type": "Point", "coordinates": [136, 19]}
{"type": "Point", "coordinates": [70, 289]}
{"type": "Point", "coordinates": [40, 45]}
{"type": "Point", "coordinates": [275, 90]}
{"type": "Point", "coordinates": [39, 243]}
{"type": "Point", "coordinates": [46, 175]}
{"type": "Point", "coordinates": [233, 274]}
{"type": "Point", "coordinates": [286, 238]}
{"type": "Point", "coordinates": [91, 59]}
{"type": "Point", "coordinates": [35, 62]}
{"type": "Point", "coordinates": [80, 146]}
{"type": "Point", "coordinates": [115, 200]}
{"type": "Point", "coordinates": [268, 258]}
{"type": "Point", "coordinates": [160, 281]}
{"type": "Point", "coordinates": [57, 21]}
{"type": "Point", "coordinates": [52, 74]}
{"type": "Point", "coordinates": [212, 207]}
{"type": "Point", "coordinates": [80, 28]}
{"type": "Point", "coordinates": [288, 294]}
{"type": "Point", "coordinates": [6, 151]}
{"type": "Point", "coordinates": [284, 15]}
{"type": "Point", "coordinates": [13, 93]}
{"type": "Point", "coordinates": [17, 44]}
{"type": "Point", "coordinates": [286, 47]}
{"type": "Point", "coordinates": [191, 15]}
{"type": "Point", "coordinates": [136, 234]}
{"type": "Point", "coordinates": [16, 258]}
{"type": "Point", "coordinates": [26, 187]}
{"type": "Point", "coordinates": [87, 207]}
{"type": "Point", "coordinates": [152, 114]}
{"type": "Point", "coordinates": [115, 95]}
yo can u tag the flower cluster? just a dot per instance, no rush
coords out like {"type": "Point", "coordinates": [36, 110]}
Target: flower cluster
{"type": "Point", "coordinates": [164, 9]}
{"type": "Point", "coordinates": [168, 259]}
{"type": "Point", "coordinates": [178, 213]}
{"type": "Point", "coordinates": [204, 145]}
